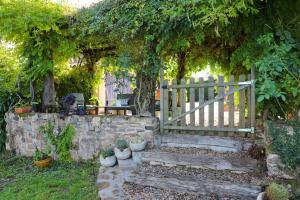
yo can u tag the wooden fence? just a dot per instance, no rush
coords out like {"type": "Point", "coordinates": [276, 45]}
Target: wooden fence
{"type": "Point", "coordinates": [174, 112]}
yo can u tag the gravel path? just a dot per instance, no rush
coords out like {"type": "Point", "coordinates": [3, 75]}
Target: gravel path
{"type": "Point", "coordinates": [136, 192]}
{"type": "Point", "coordinates": [197, 151]}
{"type": "Point", "coordinates": [203, 174]}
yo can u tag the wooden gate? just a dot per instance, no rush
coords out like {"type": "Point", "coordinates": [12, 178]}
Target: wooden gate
{"type": "Point", "coordinates": [174, 104]}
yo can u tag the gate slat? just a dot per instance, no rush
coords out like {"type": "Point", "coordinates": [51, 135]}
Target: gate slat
{"type": "Point", "coordinates": [183, 103]}
{"type": "Point", "coordinates": [242, 104]}
{"type": "Point", "coordinates": [249, 104]}
{"type": "Point", "coordinates": [165, 102]}
{"type": "Point", "coordinates": [252, 113]}
{"type": "Point", "coordinates": [201, 101]}
{"type": "Point", "coordinates": [192, 103]}
{"type": "Point", "coordinates": [174, 102]}
{"type": "Point", "coordinates": [221, 104]}
{"type": "Point", "coordinates": [231, 106]}
{"type": "Point", "coordinates": [212, 105]}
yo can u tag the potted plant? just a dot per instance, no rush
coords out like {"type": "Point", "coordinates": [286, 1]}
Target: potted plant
{"type": "Point", "coordinates": [274, 192]}
{"type": "Point", "coordinates": [107, 157]}
{"type": "Point", "coordinates": [23, 108]}
{"type": "Point", "coordinates": [41, 158]}
{"type": "Point", "coordinates": [122, 151]}
{"type": "Point", "coordinates": [93, 101]}
{"type": "Point", "coordinates": [137, 143]}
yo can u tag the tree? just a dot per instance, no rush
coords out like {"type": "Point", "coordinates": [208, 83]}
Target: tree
{"type": "Point", "coordinates": [36, 27]}
{"type": "Point", "coordinates": [166, 27]}
{"type": "Point", "coordinates": [9, 72]}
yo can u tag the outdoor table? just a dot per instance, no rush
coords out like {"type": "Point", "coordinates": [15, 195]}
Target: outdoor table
{"type": "Point", "coordinates": [125, 108]}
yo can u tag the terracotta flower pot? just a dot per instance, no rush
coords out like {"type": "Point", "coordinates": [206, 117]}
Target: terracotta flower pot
{"type": "Point", "coordinates": [92, 112]}
{"type": "Point", "coordinates": [43, 163]}
{"type": "Point", "coordinates": [26, 109]}
{"type": "Point", "coordinates": [19, 110]}
{"type": "Point", "coordinates": [122, 155]}
{"type": "Point", "coordinates": [108, 161]}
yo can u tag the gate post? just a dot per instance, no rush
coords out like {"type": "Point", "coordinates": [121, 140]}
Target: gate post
{"type": "Point", "coordinates": [161, 102]}
{"type": "Point", "coordinates": [253, 110]}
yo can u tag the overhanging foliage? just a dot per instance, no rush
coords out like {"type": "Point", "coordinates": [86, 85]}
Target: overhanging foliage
{"type": "Point", "coordinates": [144, 35]}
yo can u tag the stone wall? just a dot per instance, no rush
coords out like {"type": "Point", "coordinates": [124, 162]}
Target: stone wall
{"type": "Point", "coordinates": [92, 132]}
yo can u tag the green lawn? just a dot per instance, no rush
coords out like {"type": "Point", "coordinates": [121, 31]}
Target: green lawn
{"type": "Point", "coordinates": [20, 180]}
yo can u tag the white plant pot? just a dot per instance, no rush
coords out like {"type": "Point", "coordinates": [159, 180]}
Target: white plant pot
{"type": "Point", "coordinates": [138, 147]}
{"type": "Point", "coordinates": [108, 161]}
{"type": "Point", "coordinates": [261, 196]}
{"type": "Point", "coordinates": [122, 155]}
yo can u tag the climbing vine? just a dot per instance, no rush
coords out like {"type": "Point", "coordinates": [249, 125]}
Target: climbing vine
{"type": "Point", "coordinates": [144, 36]}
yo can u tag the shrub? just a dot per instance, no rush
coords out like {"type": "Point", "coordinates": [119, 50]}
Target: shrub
{"type": "Point", "coordinates": [107, 152]}
{"type": "Point", "coordinates": [285, 140]}
{"type": "Point", "coordinates": [277, 192]}
{"type": "Point", "coordinates": [121, 144]}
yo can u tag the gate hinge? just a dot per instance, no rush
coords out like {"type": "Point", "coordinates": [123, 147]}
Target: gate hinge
{"type": "Point", "coordinates": [244, 130]}
{"type": "Point", "coordinates": [246, 82]}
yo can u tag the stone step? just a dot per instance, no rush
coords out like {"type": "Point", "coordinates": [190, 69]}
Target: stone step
{"type": "Point", "coordinates": [200, 161]}
{"type": "Point", "coordinates": [215, 143]}
{"type": "Point", "coordinates": [196, 186]}
{"type": "Point", "coordinates": [110, 183]}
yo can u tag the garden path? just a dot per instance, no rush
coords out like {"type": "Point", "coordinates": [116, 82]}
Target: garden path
{"type": "Point", "coordinates": [187, 167]}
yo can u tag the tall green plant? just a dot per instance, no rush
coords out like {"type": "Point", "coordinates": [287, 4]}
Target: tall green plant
{"type": "Point", "coordinates": [278, 80]}
{"type": "Point", "coordinates": [62, 141]}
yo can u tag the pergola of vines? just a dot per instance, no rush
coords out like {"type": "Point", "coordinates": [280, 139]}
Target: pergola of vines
{"type": "Point", "coordinates": [146, 35]}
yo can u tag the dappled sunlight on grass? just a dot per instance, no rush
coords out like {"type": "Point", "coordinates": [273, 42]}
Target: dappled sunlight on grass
{"type": "Point", "coordinates": [19, 179]}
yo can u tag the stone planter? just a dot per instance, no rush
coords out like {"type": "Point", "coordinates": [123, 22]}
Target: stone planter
{"type": "Point", "coordinates": [277, 169]}
{"type": "Point", "coordinates": [138, 146]}
{"type": "Point", "coordinates": [261, 196]}
{"type": "Point", "coordinates": [108, 161]}
{"type": "Point", "coordinates": [122, 155]}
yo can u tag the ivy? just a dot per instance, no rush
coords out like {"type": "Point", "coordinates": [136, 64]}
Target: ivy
{"type": "Point", "coordinates": [285, 140]}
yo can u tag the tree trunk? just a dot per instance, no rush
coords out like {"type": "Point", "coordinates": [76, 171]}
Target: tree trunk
{"type": "Point", "coordinates": [146, 81]}
{"type": "Point", "coordinates": [181, 60]}
{"type": "Point", "coordinates": [145, 94]}
{"type": "Point", "coordinates": [49, 92]}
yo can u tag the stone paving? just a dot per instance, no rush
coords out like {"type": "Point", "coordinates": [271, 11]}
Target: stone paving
{"type": "Point", "coordinates": [110, 183]}
{"type": "Point", "coordinates": [172, 178]}
{"type": "Point", "coordinates": [111, 179]}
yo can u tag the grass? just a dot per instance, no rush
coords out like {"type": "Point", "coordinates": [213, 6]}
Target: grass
{"type": "Point", "coordinates": [20, 180]}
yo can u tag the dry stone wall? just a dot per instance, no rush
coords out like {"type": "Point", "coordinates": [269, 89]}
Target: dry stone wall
{"type": "Point", "coordinates": [93, 133]}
